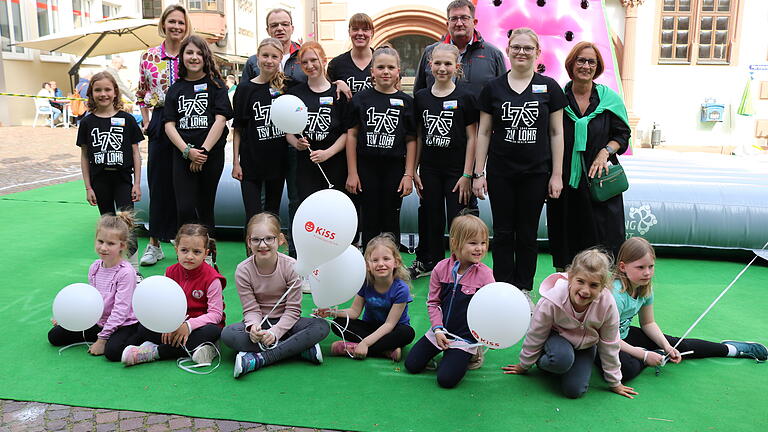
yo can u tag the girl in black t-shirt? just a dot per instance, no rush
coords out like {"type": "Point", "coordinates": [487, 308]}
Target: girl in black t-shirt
{"type": "Point", "coordinates": [260, 150]}
{"type": "Point", "coordinates": [354, 66]}
{"type": "Point", "coordinates": [381, 147]}
{"type": "Point", "coordinates": [446, 116]}
{"type": "Point", "coordinates": [322, 142]}
{"type": "Point", "coordinates": [196, 111]}
{"type": "Point", "coordinates": [109, 147]}
{"type": "Point", "coordinates": [521, 134]}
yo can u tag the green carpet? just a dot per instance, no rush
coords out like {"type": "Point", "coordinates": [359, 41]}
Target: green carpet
{"type": "Point", "coordinates": [48, 243]}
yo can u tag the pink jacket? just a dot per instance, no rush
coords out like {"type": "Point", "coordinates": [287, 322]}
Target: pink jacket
{"type": "Point", "coordinates": [554, 312]}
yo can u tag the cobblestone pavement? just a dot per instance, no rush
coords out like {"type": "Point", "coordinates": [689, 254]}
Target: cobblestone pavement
{"type": "Point", "coordinates": [35, 157]}
{"type": "Point", "coordinates": [35, 416]}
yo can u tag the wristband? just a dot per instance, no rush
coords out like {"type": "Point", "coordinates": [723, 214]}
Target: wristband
{"type": "Point", "coordinates": [436, 328]}
{"type": "Point", "coordinates": [465, 175]}
{"type": "Point", "coordinates": [610, 150]}
{"type": "Point", "coordinates": [185, 152]}
{"type": "Point", "coordinates": [407, 175]}
{"type": "Point", "coordinates": [645, 357]}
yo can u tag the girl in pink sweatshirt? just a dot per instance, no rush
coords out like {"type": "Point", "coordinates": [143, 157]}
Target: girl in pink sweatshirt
{"type": "Point", "coordinates": [575, 319]}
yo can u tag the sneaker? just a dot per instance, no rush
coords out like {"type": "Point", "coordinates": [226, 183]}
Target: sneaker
{"type": "Point", "coordinates": [204, 355]}
{"type": "Point", "coordinates": [209, 260]}
{"type": "Point", "coordinates": [431, 365]}
{"type": "Point", "coordinates": [139, 277]}
{"type": "Point", "coordinates": [751, 350]}
{"type": "Point", "coordinates": [247, 362]}
{"type": "Point", "coordinates": [152, 254]}
{"type": "Point", "coordinates": [313, 354]}
{"type": "Point", "coordinates": [341, 348]}
{"type": "Point", "coordinates": [144, 353]}
{"type": "Point", "coordinates": [527, 294]}
{"type": "Point", "coordinates": [305, 287]}
{"type": "Point", "coordinates": [418, 269]}
{"type": "Point", "coordinates": [396, 354]}
{"type": "Point", "coordinates": [477, 360]}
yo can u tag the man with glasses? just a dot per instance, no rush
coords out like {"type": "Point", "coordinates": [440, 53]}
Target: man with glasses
{"type": "Point", "coordinates": [480, 60]}
{"type": "Point", "coordinates": [280, 27]}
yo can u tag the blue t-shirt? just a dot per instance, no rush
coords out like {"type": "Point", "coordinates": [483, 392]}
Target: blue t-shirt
{"type": "Point", "coordinates": [628, 307]}
{"type": "Point", "coordinates": [377, 305]}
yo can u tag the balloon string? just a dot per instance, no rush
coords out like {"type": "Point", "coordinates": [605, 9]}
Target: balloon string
{"type": "Point", "coordinates": [342, 331]}
{"type": "Point", "coordinates": [713, 303]}
{"type": "Point", "coordinates": [84, 342]}
{"type": "Point", "coordinates": [330, 186]}
{"type": "Point", "coordinates": [189, 368]}
{"type": "Point", "coordinates": [296, 283]}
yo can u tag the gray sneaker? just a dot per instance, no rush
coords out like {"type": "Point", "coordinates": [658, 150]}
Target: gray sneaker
{"type": "Point", "coordinates": [152, 254]}
{"type": "Point", "coordinates": [527, 294]}
{"type": "Point", "coordinates": [204, 355]}
{"type": "Point", "coordinates": [417, 270]}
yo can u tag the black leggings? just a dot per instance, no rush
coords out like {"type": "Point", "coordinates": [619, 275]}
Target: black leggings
{"type": "Point", "coordinates": [251, 190]}
{"type": "Point", "coordinates": [357, 330]}
{"type": "Point", "coordinates": [200, 335]}
{"type": "Point", "coordinates": [451, 369]}
{"type": "Point", "coordinates": [380, 201]}
{"type": "Point", "coordinates": [113, 351]}
{"type": "Point", "coordinates": [196, 192]}
{"type": "Point", "coordinates": [516, 204]}
{"type": "Point", "coordinates": [113, 191]}
{"type": "Point", "coordinates": [162, 203]}
{"type": "Point", "coordinates": [631, 366]}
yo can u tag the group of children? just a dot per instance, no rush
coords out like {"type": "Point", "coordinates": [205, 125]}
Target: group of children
{"type": "Point", "coordinates": [583, 316]}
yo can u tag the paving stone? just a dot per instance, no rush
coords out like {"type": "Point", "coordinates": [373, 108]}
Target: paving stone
{"type": "Point", "coordinates": [275, 428]}
{"type": "Point", "coordinates": [106, 427]}
{"type": "Point", "coordinates": [227, 425]}
{"type": "Point", "coordinates": [131, 414]}
{"type": "Point", "coordinates": [82, 427]}
{"type": "Point", "coordinates": [56, 424]}
{"type": "Point", "coordinates": [80, 414]}
{"type": "Point", "coordinates": [106, 417]}
{"type": "Point", "coordinates": [179, 422]}
{"type": "Point", "coordinates": [58, 414]}
{"type": "Point", "coordinates": [204, 423]}
{"type": "Point", "coordinates": [261, 428]}
{"type": "Point", "coordinates": [157, 418]}
{"type": "Point", "coordinates": [158, 428]}
{"type": "Point", "coordinates": [210, 429]}
{"type": "Point", "coordinates": [131, 423]}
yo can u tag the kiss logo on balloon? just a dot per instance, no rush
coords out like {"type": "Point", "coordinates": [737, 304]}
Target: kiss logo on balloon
{"type": "Point", "coordinates": [488, 343]}
{"type": "Point", "coordinates": [322, 232]}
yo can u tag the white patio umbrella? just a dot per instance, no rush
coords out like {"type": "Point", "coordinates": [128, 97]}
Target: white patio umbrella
{"type": "Point", "coordinates": [109, 36]}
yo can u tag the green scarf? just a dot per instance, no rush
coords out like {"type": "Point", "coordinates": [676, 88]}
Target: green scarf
{"type": "Point", "coordinates": [609, 100]}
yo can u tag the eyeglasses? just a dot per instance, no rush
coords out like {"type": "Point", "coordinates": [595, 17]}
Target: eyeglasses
{"type": "Point", "coordinates": [269, 240]}
{"type": "Point", "coordinates": [581, 61]}
{"type": "Point", "coordinates": [279, 24]}
{"type": "Point", "coordinates": [462, 18]}
{"type": "Point", "coordinates": [525, 49]}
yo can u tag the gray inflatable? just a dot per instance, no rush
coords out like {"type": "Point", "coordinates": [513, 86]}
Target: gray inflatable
{"type": "Point", "coordinates": [674, 199]}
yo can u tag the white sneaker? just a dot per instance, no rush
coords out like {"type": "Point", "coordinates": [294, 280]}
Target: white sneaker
{"type": "Point", "coordinates": [209, 260]}
{"type": "Point", "coordinates": [305, 287]}
{"type": "Point", "coordinates": [152, 254]}
{"type": "Point", "coordinates": [527, 294]}
{"type": "Point", "coordinates": [204, 355]}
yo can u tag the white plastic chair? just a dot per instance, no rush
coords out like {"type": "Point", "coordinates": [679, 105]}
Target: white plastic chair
{"type": "Point", "coordinates": [40, 110]}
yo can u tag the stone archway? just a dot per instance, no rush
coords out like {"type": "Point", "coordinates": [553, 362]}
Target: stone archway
{"type": "Point", "coordinates": [408, 20]}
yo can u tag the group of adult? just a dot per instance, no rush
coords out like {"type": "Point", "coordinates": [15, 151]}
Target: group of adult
{"type": "Point", "coordinates": [539, 142]}
{"type": "Point", "coordinates": [45, 102]}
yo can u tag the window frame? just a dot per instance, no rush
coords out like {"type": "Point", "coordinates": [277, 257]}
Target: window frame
{"type": "Point", "coordinates": [13, 54]}
{"type": "Point", "coordinates": [694, 33]}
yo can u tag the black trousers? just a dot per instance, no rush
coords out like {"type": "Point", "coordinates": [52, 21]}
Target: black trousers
{"type": "Point", "coordinates": [200, 335]}
{"type": "Point", "coordinates": [357, 330]}
{"type": "Point", "coordinates": [438, 205]}
{"type": "Point", "coordinates": [196, 192]}
{"type": "Point", "coordinates": [380, 201]}
{"type": "Point", "coordinates": [516, 204]}
{"type": "Point", "coordinates": [451, 369]}
{"type": "Point", "coordinates": [113, 191]}
{"type": "Point", "coordinates": [631, 366]}
{"type": "Point", "coordinates": [113, 351]}
{"type": "Point", "coordinates": [252, 189]}
{"type": "Point", "coordinates": [162, 203]}
{"type": "Point", "coordinates": [293, 195]}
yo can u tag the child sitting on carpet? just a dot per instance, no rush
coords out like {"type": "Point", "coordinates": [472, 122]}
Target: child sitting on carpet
{"type": "Point", "coordinates": [202, 285]}
{"type": "Point", "coordinates": [647, 345]}
{"type": "Point", "coordinates": [575, 318]}
{"type": "Point", "coordinates": [270, 291]}
{"type": "Point", "coordinates": [385, 328]}
{"type": "Point", "coordinates": [453, 282]}
{"type": "Point", "coordinates": [115, 280]}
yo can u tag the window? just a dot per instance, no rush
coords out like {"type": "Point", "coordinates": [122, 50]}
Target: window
{"type": "Point", "coordinates": [195, 5]}
{"type": "Point", "coordinates": [81, 12]}
{"type": "Point", "coordinates": [701, 31]}
{"type": "Point", "coordinates": [47, 20]}
{"type": "Point", "coordinates": [109, 10]}
{"type": "Point", "coordinates": [10, 26]}
{"type": "Point", "coordinates": [410, 48]}
{"type": "Point", "coordinates": [151, 8]}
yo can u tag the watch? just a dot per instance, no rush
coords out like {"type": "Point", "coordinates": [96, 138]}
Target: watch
{"type": "Point", "coordinates": [477, 176]}
{"type": "Point", "coordinates": [610, 150]}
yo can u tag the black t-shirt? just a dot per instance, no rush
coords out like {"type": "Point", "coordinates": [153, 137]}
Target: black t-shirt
{"type": "Point", "coordinates": [326, 122]}
{"type": "Point", "coordinates": [520, 139]}
{"type": "Point", "coordinates": [343, 68]}
{"type": "Point", "coordinates": [443, 124]}
{"type": "Point", "coordinates": [263, 148]}
{"type": "Point", "coordinates": [384, 121]}
{"type": "Point", "coordinates": [193, 106]}
{"type": "Point", "coordinates": [109, 141]}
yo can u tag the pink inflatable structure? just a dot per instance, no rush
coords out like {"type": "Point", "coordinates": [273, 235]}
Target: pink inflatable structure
{"type": "Point", "coordinates": [560, 24]}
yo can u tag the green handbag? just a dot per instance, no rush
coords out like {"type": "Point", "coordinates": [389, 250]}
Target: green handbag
{"type": "Point", "coordinates": [609, 185]}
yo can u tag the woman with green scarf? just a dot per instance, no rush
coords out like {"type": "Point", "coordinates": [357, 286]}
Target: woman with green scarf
{"type": "Point", "coordinates": [596, 131]}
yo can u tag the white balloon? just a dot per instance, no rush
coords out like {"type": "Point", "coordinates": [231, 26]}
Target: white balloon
{"type": "Point", "coordinates": [289, 114]}
{"type": "Point", "coordinates": [338, 280]}
{"type": "Point", "coordinates": [323, 227]}
{"type": "Point", "coordinates": [78, 307]}
{"type": "Point", "coordinates": [160, 304]}
{"type": "Point", "coordinates": [498, 315]}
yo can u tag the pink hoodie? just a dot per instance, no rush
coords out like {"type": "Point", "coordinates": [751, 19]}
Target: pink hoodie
{"type": "Point", "coordinates": [554, 312]}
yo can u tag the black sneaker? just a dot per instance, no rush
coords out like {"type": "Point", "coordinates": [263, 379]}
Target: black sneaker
{"type": "Point", "coordinates": [417, 270]}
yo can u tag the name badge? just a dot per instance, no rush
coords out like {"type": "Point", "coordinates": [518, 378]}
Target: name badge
{"type": "Point", "coordinates": [326, 101]}
{"type": "Point", "coordinates": [201, 87]}
{"type": "Point", "coordinates": [116, 121]}
{"type": "Point", "coordinates": [274, 92]}
{"type": "Point", "coordinates": [450, 105]}
{"type": "Point", "coordinates": [396, 102]}
{"type": "Point", "coordinates": [539, 88]}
